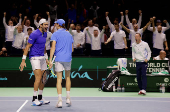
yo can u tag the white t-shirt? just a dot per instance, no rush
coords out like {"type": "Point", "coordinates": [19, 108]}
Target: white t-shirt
{"type": "Point", "coordinates": [118, 39]}
{"type": "Point", "coordinates": [47, 44]}
{"type": "Point", "coordinates": [158, 58]}
{"type": "Point", "coordinates": [133, 33]}
{"type": "Point", "coordinates": [158, 40]}
{"type": "Point", "coordinates": [25, 29]}
{"type": "Point", "coordinates": [18, 40]}
{"type": "Point", "coordinates": [91, 30]}
{"type": "Point", "coordinates": [79, 38]}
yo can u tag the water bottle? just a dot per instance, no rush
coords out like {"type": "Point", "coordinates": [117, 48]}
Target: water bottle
{"type": "Point", "coordinates": [114, 88]}
{"type": "Point", "coordinates": [118, 88]}
{"type": "Point", "coordinates": [160, 89]}
{"type": "Point", "coordinates": [163, 88]}
{"type": "Point", "coordinates": [123, 88]}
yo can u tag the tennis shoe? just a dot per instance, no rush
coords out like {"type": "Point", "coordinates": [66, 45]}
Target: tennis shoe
{"type": "Point", "coordinates": [43, 101]}
{"type": "Point", "coordinates": [36, 103]}
{"type": "Point", "coordinates": [68, 102]}
{"type": "Point", "coordinates": [59, 104]}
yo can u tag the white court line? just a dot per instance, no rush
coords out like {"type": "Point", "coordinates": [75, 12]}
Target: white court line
{"type": "Point", "coordinates": [22, 106]}
{"type": "Point", "coordinates": [97, 101]}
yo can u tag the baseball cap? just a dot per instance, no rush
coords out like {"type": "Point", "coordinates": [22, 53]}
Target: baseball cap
{"type": "Point", "coordinates": [60, 22]}
{"type": "Point", "coordinates": [42, 21]}
{"type": "Point", "coordinates": [158, 21]}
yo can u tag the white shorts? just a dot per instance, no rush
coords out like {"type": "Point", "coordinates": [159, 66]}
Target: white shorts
{"type": "Point", "coordinates": [38, 63]}
{"type": "Point", "coordinates": [60, 66]}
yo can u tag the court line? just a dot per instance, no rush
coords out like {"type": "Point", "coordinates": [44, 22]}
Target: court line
{"type": "Point", "coordinates": [93, 101]}
{"type": "Point", "coordinates": [22, 106]}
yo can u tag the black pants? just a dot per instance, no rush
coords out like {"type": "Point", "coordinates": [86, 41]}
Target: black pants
{"type": "Point", "coordinates": [88, 49]}
{"type": "Point", "coordinates": [16, 52]}
{"type": "Point", "coordinates": [156, 51]}
{"type": "Point", "coordinates": [119, 52]}
{"type": "Point", "coordinates": [78, 51]}
{"type": "Point", "coordinates": [95, 52]}
{"type": "Point", "coordinates": [8, 45]}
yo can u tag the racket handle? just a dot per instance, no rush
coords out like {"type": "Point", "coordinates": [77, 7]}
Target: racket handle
{"type": "Point", "coordinates": [53, 59]}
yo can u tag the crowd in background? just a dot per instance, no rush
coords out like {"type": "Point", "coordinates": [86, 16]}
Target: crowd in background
{"type": "Point", "coordinates": [91, 23]}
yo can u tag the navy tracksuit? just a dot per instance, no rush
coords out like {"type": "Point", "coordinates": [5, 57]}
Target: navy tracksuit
{"type": "Point", "coordinates": [141, 68]}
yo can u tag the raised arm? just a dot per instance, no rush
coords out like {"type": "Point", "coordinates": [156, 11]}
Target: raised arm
{"type": "Point", "coordinates": [124, 27]}
{"type": "Point", "coordinates": [67, 4]}
{"type": "Point", "coordinates": [127, 18]}
{"type": "Point", "coordinates": [153, 24]}
{"type": "Point", "coordinates": [108, 20]}
{"type": "Point", "coordinates": [4, 20]}
{"type": "Point", "coordinates": [23, 21]}
{"type": "Point", "coordinates": [102, 32]}
{"type": "Point", "coordinates": [109, 39]}
{"type": "Point", "coordinates": [70, 29]}
{"type": "Point", "coordinates": [140, 18]}
{"type": "Point", "coordinates": [15, 30]}
{"type": "Point", "coordinates": [49, 19]}
{"type": "Point", "coordinates": [122, 17]}
{"type": "Point", "coordinates": [144, 28]}
{"type": "Point", "coordinates": [167, 26]}
{"type": "Point", "coordinates": [35, 21]}
{"type": "Point", "coordinates": [124, 39]}
{"type": "Point", "coordinates": [20, 19]}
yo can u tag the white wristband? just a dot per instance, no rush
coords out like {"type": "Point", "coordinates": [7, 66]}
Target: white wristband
{"type": "Point", "coordinates": [46, 56]}
{"type": "Point", "coordinates": [24, 57]}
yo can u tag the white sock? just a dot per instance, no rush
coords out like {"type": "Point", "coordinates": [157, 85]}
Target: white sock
{"type": "Point", "coordinates": [40, 92]}
{"type": "Point", "coordinates": [59, 96]}
{"type": "Point", "coordinates": [68, 94]}
{"type": "Point", "coordinates": [35, 93]}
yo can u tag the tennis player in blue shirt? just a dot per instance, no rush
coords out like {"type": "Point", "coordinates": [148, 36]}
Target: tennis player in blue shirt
{"type": "Point", "coordinates": [38, 58]}
{"type": "Point", "coordinates": [62, 45]}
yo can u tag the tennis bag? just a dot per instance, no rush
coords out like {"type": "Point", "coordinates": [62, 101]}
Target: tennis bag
{"type": "Point", "coordinates": [107, 85]}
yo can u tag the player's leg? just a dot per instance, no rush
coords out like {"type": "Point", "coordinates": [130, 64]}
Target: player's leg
{"type": "Point", "coordinates": [41, 86]}
{"type": "Point", "coordinates": [59, 69]}
{"type": "Point", "coordinates": [144, 77]}
{"type": "Point", "coordinates": [138, 73]}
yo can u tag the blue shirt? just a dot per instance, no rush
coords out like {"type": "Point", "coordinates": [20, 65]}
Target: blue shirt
{"type": "Point", "coordinates": [63, 48]}
{"type": "Point", "coordinates": [72, 15]}
{"type": "Point", "coordinates": [38, 40]}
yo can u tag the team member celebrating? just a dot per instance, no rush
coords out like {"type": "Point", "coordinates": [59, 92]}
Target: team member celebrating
{"type": "Point", "coordinates": [96, 41]}
{"type": "Point", "coordinates": [62, 45]}
{"type": "Point", "coordinates": [141, 54]}
{"type": "Point", "coordinates": [120, 42]}
{"type": "Point", "coordinates": [161, 56]}
{"type": "Point", "coordinates": [36, 43]}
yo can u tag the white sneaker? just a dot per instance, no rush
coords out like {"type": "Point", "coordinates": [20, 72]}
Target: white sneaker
{"type": "Point", "coordinates": [43, 101]}
{"type": "Point", "coordinates": [59, 104]}
{"type": "Point", "coordinates": [68, 102]}
{"type": "Point", "coordinates": [36, 103]}
{"type": "Point", "coordinates": [143, 92]}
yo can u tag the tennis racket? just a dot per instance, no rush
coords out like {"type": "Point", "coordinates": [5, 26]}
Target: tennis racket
{"type": "Point", "coordinates": [46, 73]}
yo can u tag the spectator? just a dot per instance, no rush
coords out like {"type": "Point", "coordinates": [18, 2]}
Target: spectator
{"type": "Point", "coordinates": [159, 39]}
{"type": "Point", "coordinates": [158, 22]}
{"type": "Point", "coordinates": [111, 26]}
{"type": "Point", "coordinates": [27, 25]}
{"type": "Point", "coordinates": [88, 40]}
{"type": "Point", "coordinates": [18, 41]}
{"type": "Point", "coordinates": [3, 52]}
{"type": "Point", "coordinates": [136, 30]}
{"type": "Point", "coordinates": [9, 34]}
{"type": "Point", "coordinates": [94, 10]}
{"type": "Point", "coordinates": [29, 31]}
{"type": "Point", "coordinates": [37, 24]}
{"type": "Point", "coordinates": [72, 25]}
{"type": "Point", "coordinates": [72, 14]}
{"type": "Point", "coordinates": [96, 41]}
{"type": "Point", "coordinates": [53, 10]}
{"type": "Point", "coordinates": [47, 44]}
{"type": "Point", "coordinates": [79, 39]}
{"type": "Point", "coordinates": [120, 43]}
{"type": "Point", "coordinates": [83, 14]}
{"type": "Point", "coordinates": [161, 56]}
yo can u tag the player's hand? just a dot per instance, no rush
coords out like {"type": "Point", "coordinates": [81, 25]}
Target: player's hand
{"type": "Point", "coordinates": [151, 20]}
{"type": "Point", "coordinates": [146, 60]}
{"type": "Point", "coordinates": [78, 46]}
{"type": "Point", "coordinates": [107, 13]}
{"type": "Point", "coordinates": [165, 21]}
{"type": "Point", "coordinates": [25, 17]}
{"type": "Point", "coordinates": [154, 18]}
{"type": "Point", "coordinates": [126, 12]}
{"type": "Point", "coordinates": [47, 13]}
{"type": "Point", "coordinates": [22, 65]}
{"type": "Point", "coordinates": [20, 15]}
{"type": "Point", "coordinates": [167, 48]}
{"type": "Point", "coordinates": [69, 20]}
{"type": "Point", "coordinates": [121, 13]}
{"type": "Point", "coordinates": [27, 38]}
{"type": "Point", "coordinates": [104, 27]}
{"type": "Point", "coordinates": [121, 23]}
{"type": "Point", "coordinates": [126, 47]}
{"type": "Point", "coordinates": [50, 65]}
{"type": "Point", "coordinates": [105, 43]}
{"type": "Point", "coordinates": [47, 61]}
{"type": "Point", "coordinates": [134, 60]}
{"type": "Point", "coordinates": [87, 29]}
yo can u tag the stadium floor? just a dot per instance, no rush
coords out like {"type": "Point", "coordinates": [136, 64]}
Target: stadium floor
{"type": "Point", "coordinates": [84, 100]}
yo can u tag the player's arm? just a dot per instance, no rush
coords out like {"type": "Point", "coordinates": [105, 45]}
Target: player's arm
{"type": "Point", "coordinates": [35, 21]}
{"type": "Point", "coordinates": [102, 32]}
{"type": "Point", "coordinates": [140, 18]}
{"type": "Point", "coordinates": [46, 55]}
{"type": "Point", "coordinates": [133, 54]}
{"type": "Point", "coordinates": [23, 64]}
{"type": "Point", "coordinates": [127, 18]}
{"type": "Point", "coordinates": [108, 40]}
{"type": "Point", "coordinates": [167, 26]}
{"type": "Point", "coordinates": [23, 21]}
{"type": "Point", "coordinates": [87, 29]}
{"type": "Point", "coordinates": [52, 50]}
{"type": "Point", "coordinates": [124, 39]}
{"type": "Point", "coordinates": [153, 24]}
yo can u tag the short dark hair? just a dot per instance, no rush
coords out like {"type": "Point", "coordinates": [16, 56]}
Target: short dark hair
{"type": "Point", "coordinates": [78, 25]}
{"type": "Point", "coordinates": [29, 29]}
{"type": "Point", "coordinates": [116, 24]}
{"type": "Point", "coordinates": [139, 34]}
